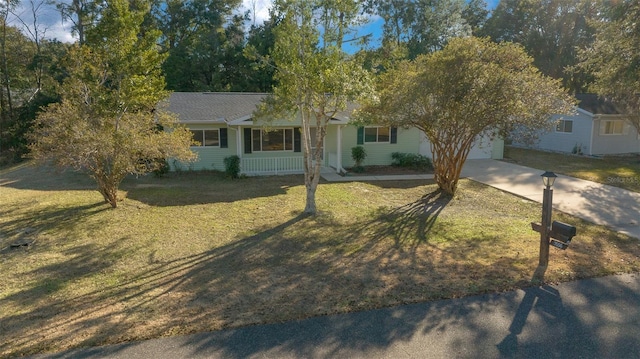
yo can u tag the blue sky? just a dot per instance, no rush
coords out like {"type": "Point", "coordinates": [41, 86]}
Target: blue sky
{"type": "Point", "coordinates": [52, 24]}
{"type": "Point", "coordinates": [375, 27]}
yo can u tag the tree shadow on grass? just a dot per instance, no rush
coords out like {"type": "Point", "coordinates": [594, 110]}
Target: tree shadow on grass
{"type": "Point", "coordinates": [205, 187]}
{"type": "Point", "coordinates": [174, 189]}
{"type": "Point", "coordinates": [612, 206]}
{"type": "Point", "coordinates": [413, 221]}
{"type": "Point", "coordinates": [281, 273]}
{"type": "Point", "coordinates": [400, 184]}
{"type": "Point", "coordinates": [29, 222]}
{"type": "Point", "coordinates": [44, 178]}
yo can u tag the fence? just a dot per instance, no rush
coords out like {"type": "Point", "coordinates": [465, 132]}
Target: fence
{"type": "Point", "coordinates": [271, 165]}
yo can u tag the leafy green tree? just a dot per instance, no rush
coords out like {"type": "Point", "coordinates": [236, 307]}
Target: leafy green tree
{"type": "Point", "coordinates": [425, 26]}
{"type": "Point", "coordinates": [475, 14]}
{"type": "Point", "coordinates": [17, 83]}
{"type": "Point", "coordinates": [471, 89]}
{"type": "Point", "coordinates": [315, 77]}
{"type": "Point", "coordinates": [108, 122]}
{"type": "Point", "coordinates": [6, 101]}
{"type": "Point", "coordinates": [614, 57]}
{"type": "Point", "coordinates": [201, 38]}
{"type": "Point", "coordinates": [83, 15]}
{"type": "Point", "coordinates": [551, 32]}
{"type": "Point", "coordinates": [260, 42]}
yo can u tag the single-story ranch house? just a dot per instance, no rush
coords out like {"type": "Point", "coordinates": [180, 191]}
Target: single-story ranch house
{"type": "Point", "coordinates": [222, 124]}
{"type": "Point", "coordinates": [596, 128]}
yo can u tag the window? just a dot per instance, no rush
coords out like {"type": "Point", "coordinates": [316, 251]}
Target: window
{"type": "Point", "coordinates": [377, 134]}
{"type": "Point", "coordinates": [276, 140]}
{"type": "Point", "coordinates": [565, 126]}
{"type": "Point", "coordinates": [207, 138]}
{"type": "Point", "coordinates": [612, 127]}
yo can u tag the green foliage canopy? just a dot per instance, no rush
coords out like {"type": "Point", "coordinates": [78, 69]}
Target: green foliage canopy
{"type": "Point", "coordinates": [551, 31]}
{"type": "Point", "coordinates": [471, 89]}
{"type": "Point", "coordinates": [316, 79]}
{"type": "Point", "coordinates": [614, 58]}
{"type": "Point", "coordinates": [108, 122]}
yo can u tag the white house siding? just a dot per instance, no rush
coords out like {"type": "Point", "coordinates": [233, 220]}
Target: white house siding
{"type": "Point", "coordinates": [580, 137]}
{"type": "Point", "coordinates": [498, 149]}
{"type": "Point", "coordinates": [627, 142]}
{"type": "Point", "coordinates": [485, 148]}
{"type": "Point", "coordinates": [331, 146]}
{"type": "Point", "coordinates": [210, 158]}
{"type": "Point", "coordinates": [378, 153]}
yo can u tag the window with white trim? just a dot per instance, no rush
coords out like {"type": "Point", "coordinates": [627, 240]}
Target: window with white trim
{"type": "Point", "coordinates": [206, 138]}
{"type": "Point", "coordinates": [275, 140]}
{"type": "Point", "coordinates": [565, 126]}
{"type": "Point", "coordinates": [377, 135]}
{"type": "Point", "coordinates": [612, 127]}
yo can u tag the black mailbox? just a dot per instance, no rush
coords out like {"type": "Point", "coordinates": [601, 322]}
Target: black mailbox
{"type": "Point", "coordinates": [562, 232]}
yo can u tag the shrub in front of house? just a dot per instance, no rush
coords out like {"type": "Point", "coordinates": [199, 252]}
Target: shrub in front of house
{"type": "Point", "coordinates": [358, 154]}
{"type": "Point", "coordinates": [232, 166]}
{"type": "Point", "coordinates": [411, 160]}
{"type": "Point", "coordinates": [162, 167]}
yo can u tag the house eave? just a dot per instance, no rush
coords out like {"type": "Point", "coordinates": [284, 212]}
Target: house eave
{"type": "Point", "coordinates": [585, 112]}
{"type": "Point", "coordinates": [244, 120]}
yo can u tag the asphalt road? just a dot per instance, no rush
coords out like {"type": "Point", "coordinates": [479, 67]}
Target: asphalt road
{"type": "Point", "coordinates": [595, 318]}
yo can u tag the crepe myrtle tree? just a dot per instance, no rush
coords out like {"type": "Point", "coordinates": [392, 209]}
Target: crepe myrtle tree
{"type": "Point", "coordinates": [108, 123]}
{"type": "Point", "coordinates": [471, 89]}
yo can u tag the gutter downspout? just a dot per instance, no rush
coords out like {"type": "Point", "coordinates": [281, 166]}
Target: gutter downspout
{"type": "Point", "coordinates": [238, 141]}
{"type": "Point", "coordinates": [339, 168]}
{"type": "Point", "coordinates": [593, 125]}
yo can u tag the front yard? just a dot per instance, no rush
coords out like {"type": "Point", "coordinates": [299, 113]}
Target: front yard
{"type": "Point", "coordinates": [197, 252]}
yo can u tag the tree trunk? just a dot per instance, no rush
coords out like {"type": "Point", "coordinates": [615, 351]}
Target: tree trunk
{"type": "Point", "coordinates": [108, 188]}
{"type": "Point", "coordinates": [445, 176]}
{"type": "Point", "coordinates": [310, 206]}
{"type": "Point", "coordinates": [448, 159]}
{"type": "Point", "coordinates": [109, 194]}
{"type": "Point", "coordinates": [311, 180]}
{"type": "Point", "coordinates": [6, 107]}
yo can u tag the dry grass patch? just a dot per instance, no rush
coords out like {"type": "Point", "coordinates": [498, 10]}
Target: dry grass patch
{"type": "Point", "coordinates": [619, 171]}
{"type": "Point", "coordinates": [196, 252]}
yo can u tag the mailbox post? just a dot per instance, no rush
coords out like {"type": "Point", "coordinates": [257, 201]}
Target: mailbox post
{"type": "Point", "coordinates": [561, 233]}
{"type": "Point", "coordinates": [548, 178]}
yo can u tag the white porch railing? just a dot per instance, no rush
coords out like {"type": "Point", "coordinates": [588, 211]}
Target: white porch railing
{"type": "Point", "coordinates": [271, 165]}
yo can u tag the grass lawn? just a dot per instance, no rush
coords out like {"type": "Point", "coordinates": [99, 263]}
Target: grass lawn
{"type": "Point", "coordinates": [619, 171]}
{"type": "Point", "coordinates": [196, 252]}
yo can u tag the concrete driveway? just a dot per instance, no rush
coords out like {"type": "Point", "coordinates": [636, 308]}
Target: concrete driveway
{"type": "Point", "coordinates": [616, 208]}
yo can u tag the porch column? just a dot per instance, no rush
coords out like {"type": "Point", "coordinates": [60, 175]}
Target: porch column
{"type": "Point", "coordinates": [239, 147]}
{"type": "Point", "coordinates": [339, 150]}
{"type": "Point", "coordinates": [239, 141]}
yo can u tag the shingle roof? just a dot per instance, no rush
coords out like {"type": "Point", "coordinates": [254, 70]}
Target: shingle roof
{"type": "Point", "coordinates": [194, 107]}
{"type": "Point", "coordinates": [597, 105]}
{"type": "Point", "coordinates": [213, 106]}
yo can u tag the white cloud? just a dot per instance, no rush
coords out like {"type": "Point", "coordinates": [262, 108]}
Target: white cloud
{"type": "Point", "coordinates": [259, 9]}
{"type": "Point", "coordinates": [61, 32]}
{"type": "Point", "coordinates": [50, 25]}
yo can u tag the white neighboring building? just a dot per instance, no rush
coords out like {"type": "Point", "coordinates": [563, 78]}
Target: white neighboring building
{"type": "Point", "coordinates": [597, 128]}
